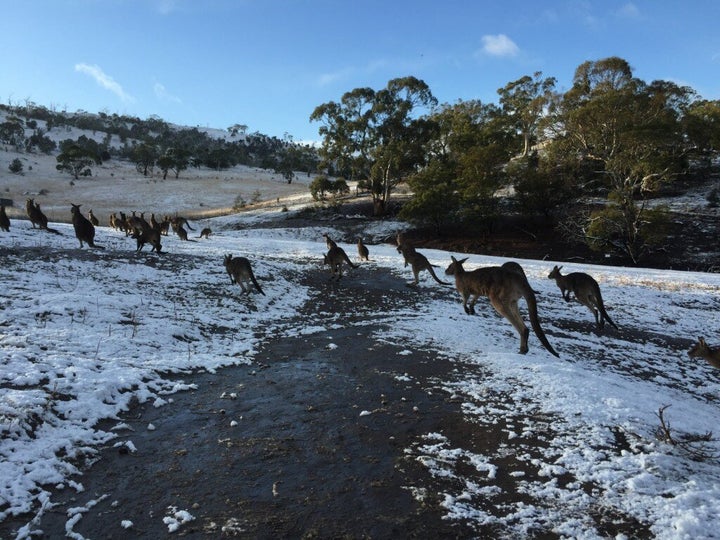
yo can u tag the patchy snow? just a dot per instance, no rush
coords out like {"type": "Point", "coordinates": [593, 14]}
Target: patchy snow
{"type": "Point", "coordinates": [79, 341]}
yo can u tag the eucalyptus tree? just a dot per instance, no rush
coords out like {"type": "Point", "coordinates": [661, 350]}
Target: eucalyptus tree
{"type": "Point", "coordinates": [77, 158]}
{"type": "Point", "coordinates": [524, 101]}
{"type": "Point", "coordinates": [630, 132]}
{"type": "Point", "coordinates": [377, 137]}
{"type": "Point", "coordinates": [466, 156]}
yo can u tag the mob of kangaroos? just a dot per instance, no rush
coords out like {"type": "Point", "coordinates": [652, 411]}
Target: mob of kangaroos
{"type": "Point", "coordinates": [504, 286]}
{"type": "Point", "coordinates": [586, 291]}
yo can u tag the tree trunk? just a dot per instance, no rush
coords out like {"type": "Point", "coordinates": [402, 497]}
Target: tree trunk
{"type": "Point", "coordinates": [378, 207]}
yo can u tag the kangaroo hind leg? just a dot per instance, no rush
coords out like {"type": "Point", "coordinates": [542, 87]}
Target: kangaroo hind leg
{"type": "Point", "coordinates": [510, 311]}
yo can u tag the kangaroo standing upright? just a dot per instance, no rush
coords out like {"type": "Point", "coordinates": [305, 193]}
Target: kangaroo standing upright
{"type": "Point", "coordinates": [84, 230]}
{"type": "Point", "coordinates": [586, 291]}
{"type": "Point", "coordinates": [4, 219]}
{"type": "Point", "coordinates": [329, 242]}
{"type": "Point", "coordinates": [335, 257]}
{"type": "Point", "coordinates": [240, 272]}
{"type": "Point", "coordinates": [504, 287]}
{"type": "Point", "coordinates": [703, 350]}
{"type": "Point", "coordinates": [363, 251]}
{"type": "Point", "coordinates": [417, 261]}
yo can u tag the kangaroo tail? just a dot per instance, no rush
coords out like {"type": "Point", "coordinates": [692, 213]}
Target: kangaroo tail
{"type": "Point", "coordinates": [432, 273]}
{"type": "Point", "coordinates": [257, 285]}
{"type": "Point", "coordinates": [603, 313]}
{"type": "Point", "coordinates": [535, 321]}
{"type": "Point", "coordinates": [54, 231]}
{"type": "Point", "coordinates": [350, 263]}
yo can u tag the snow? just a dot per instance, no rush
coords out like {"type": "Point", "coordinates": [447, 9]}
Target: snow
{"type": "Point", "coordinates": [78, 342]}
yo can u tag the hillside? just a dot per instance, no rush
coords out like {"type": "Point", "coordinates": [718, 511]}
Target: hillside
{"type": "Point", "coordinates": [117, 185]}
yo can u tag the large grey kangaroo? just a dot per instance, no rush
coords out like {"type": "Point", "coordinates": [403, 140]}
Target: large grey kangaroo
{"type": "Point", "coordinates": [240, 272]}
{"type": "Point", "coordinates": [84, 230]}
{"type": "Point", "coordinates": [586, 291]}
{"type": "Point", "coordinates": [504, 287]}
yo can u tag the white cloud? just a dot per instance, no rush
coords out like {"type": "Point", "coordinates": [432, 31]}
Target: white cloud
{"type": "Point", "coordinates": [629, 11]}
{"type": "Point", "coordinates": [499, 45]}
{"type": "Point", "coordinates": [162, 93]}
{"type": "Point", "coordinates": [104, 80]}
{"type": "Point", "coordinates": [330, 78]}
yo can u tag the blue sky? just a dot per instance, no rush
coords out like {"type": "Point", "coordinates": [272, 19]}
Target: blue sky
{"type": "Point", "coordinates": [268, 63]}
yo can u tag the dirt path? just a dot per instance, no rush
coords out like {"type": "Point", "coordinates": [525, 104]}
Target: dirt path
{"type": "Point", "coordinates": [308, 441]}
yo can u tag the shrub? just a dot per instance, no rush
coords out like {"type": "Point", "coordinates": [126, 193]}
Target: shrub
{"type": "Point", "coordinates": [16, 166]}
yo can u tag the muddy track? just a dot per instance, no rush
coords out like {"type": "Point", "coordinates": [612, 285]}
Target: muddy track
{"type": "Point", "coordinates": [308, 441]}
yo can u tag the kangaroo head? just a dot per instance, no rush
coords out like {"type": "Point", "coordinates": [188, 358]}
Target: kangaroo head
{"type": "Point", "coordinates": [455, 266]}
{"type": "Point", "coordinates": [75, 208]}
{"type": "Point", "coordinates": [699, 349]}
{"type": "Point", "coordinates": [555, 272]}
{"type": "Point", "coordinates": [227, 259]}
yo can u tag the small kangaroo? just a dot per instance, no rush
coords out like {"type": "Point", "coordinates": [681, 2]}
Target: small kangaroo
{"type": "Point", "coordinates": [93, 219]}
{"type": "Point", "coordinates": [417, 261]}
{"type": "Point", "coordinates": [335, 257]}
{"type": "Point", "coordinates": [4, 219]}
{"type": "Point", "coordinates": [504, 287]}
{"type": "Point", "coordinates": [205, 233]}
{"type": "Point", "coordinates": [363, 251]}
{"type": "Point", "coordinates": [586, 291]}
{"type": "Point", "coordinates": [179, 230]}
{"type": "Point", "coordinates": [84, 230]}
{"type": "Point", "coordinates": [703, 350]}
{"type": "Point", "coordinates": [240, 272]}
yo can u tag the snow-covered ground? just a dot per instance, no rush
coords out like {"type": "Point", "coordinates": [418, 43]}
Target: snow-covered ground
{"type": "Point", "coordinates": [82, 336]}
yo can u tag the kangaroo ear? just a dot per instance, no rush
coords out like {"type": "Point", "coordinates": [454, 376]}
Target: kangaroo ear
{"type": "Point", "coordinates": [701, 341]}
{"type": "Point", "coordinates": [453, 258]}
{"type": "Point", "coordinates": [463, 260]}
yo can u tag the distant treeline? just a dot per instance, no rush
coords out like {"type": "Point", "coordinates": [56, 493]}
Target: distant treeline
{"type": "Point", "coordinates": [150, 143]}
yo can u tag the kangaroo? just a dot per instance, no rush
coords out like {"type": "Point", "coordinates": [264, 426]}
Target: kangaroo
{"type": "Point", "coordinates": [148, 236]}
{"type": "Point", "coordinates": [703, 350]}
{"type": "Point", "coordinates": [586, 291]}
{"type": "Point", "coordinates": [93, 219]}
{"type": "Point", "coordinates": [181, 232]}
{"type": "Point", "coordinates": [205, 233]}
{"type": "Point", "coordinates": [504, 287]}
{"type": "Point", "coordinates": [4, 219]}
{"type": "Point", "coordinates": [179, 220]}
{"type": "Point", "coordinates": [363, 251]}
{"type": "Point", "coordinates": [240, 272]}
{"type": "Point", "coordinates": [335, 257]}
{"type": "Point", "coordinates": [37, 217]}
{"type": "Point", "coordinates": [154, 223]}
{"type": "Point", "coordinates": [329, 241]}
{"type": "Point", "coordinates": [418, 262]}
{"type": "Point", "coordinates": [84, 230]}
